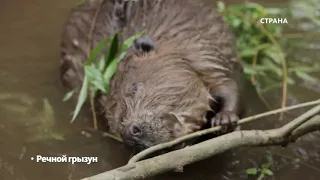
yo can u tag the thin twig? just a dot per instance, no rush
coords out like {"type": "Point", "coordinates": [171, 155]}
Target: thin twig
{"type": "Point", "coordinates": [106, 134]}
{"type": "Point", "coordinates": [254, 63]}
{"type": "Point", "coordinates": [162, 146]}
{"type": "Point", "coordinates": [178, 159]}
{"type": "Point", "coordinates": [93, 109]}
{"type": "Point", "coordinates": [253, 79]}
{"type": "Point", "coordinates": [264, 100]}
{"type": "Point", "coordinates": [94, 20]}
{"type": "Point", "coordinates": [261, 176]}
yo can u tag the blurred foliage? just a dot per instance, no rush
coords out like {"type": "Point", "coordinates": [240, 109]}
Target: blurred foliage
{"type": "Point", "coordinates": [306, 11]}
{"type": "Point", "coordinates": [40, 124]}
{"type": "Point", "coordinates": [44, 128]}
{"type": "Point", "coordinates": [263, 170]}
{"type": "Point", "coordinates": [261, 46]}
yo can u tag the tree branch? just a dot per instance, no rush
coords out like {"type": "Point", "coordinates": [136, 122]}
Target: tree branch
{"type": "Point", "coordinates": [177, 141]}
{"type": "Point", "coordinates": [176, 160]}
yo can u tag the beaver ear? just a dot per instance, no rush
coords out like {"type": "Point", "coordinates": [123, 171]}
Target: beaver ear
{"type": "Point", "coordinates": [172, 116]}
{"type": "Point", "coordinates": [143, 44]}
{"type": "Point", "coordinates": [178, 128]}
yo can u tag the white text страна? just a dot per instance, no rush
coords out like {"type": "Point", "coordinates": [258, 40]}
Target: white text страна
{"type": "Point", "coordinates": [274, 20]}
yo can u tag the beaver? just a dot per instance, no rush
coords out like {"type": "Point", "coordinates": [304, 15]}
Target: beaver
{"type": "Point", "coordinates": [181, 76]}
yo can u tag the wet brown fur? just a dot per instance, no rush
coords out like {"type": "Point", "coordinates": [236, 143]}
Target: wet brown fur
{"type": "Point", "coordinates": [166, 92]}
{"type": "Point", "coordinates": [75, 38]}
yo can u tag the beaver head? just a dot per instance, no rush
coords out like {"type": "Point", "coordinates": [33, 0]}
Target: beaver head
{"type": "Point", "coordinates": [158, 97]}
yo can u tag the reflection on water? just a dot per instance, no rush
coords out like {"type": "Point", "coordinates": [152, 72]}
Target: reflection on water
{"type": "Point", "coordinates": [35, 121]}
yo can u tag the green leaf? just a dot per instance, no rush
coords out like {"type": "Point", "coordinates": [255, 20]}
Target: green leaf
{"type": "Point", "coordinates": [58, 137]}
{"type": "Point", "coordinates": [122, 55]}
{"type": "Point", "coordinates": [91, 72]}
{"type": "Point", "coordinates": [276, 69]}
{"type": "Point", "coordinates": [306, 77]}
{"type": "Point", "coordinates": [265, 166]}
{"type": "Point", "coordinates": [255, 6]}
{"type": "Point", "coordinates": [110, 70]}
{"type": "Point", "coordinates": [48, 115]}
{"type": "Point", "coordinates": [273, 54]}
{"type": "Point", "coordinates": [112, 51]}
{"type": "Point", "coordinates": [248, 69]}
{"type": "Point", "coordinates": [307, 69]}
{"type": "Point", "coordinates": [248, 52]}
{"type": "Point", "coordinates": [97, 50]}
{"type": "Point", "coordinates": [95, 78]}
{"type": "Point", "coordinates": [252, 171]}
{"type": "Point", "coordinates": [290, 80]}
{"type": "Point", "coordinates": [127, 43]}
{"type": "Point", "coordinates": [267, 171]}
{"type": "Point", "coordinates": [221, 5]}
{"type": "Point", "coordinates": [82, 98]}
{"type": "Point", "coordinates": [69, 95]}
{"type": "Point", "coordinates": [101, 63]}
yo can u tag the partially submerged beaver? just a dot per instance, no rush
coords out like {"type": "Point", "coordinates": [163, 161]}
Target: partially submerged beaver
{"type": "Point", "coordinates": [182, 69]}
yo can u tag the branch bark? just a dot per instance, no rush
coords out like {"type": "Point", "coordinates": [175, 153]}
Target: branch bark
{"type": "Point", "coordinates": [176, 160]}
{"type": "Point", "coordinates": [177, 141]}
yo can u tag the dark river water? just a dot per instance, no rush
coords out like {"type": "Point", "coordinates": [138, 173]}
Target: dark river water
{"type": "Point", "coordinates": [34, 120]}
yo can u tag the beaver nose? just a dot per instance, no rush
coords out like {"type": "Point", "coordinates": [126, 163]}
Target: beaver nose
{"type": "Point", "coordinates": [135, 130]}
{"type": "Point", "coordinates": [132, 137]}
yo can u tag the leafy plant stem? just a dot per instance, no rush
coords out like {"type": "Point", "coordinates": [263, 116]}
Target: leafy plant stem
{"type": "Point", "coordinates": [261, 176]}
{"type": "Point", "coordinates": [94, 115]}
{"type": "Point", "coordinates": [105, 134]}
{"type": "Point", "coordinates": [254, 63]}
{"type": "Point", "coordinates": [253, 80]}
{"type": "Point", "coordinates": [284, 69]}
{"type": "Point", "coordinates": [92, 94]}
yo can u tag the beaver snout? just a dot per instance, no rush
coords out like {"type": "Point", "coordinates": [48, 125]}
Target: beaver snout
{"type": "Point", "coordinates": [132, 137]}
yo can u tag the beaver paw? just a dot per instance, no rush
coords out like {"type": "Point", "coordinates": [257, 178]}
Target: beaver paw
{"type": "Point", "coordinates": [227, 120]}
